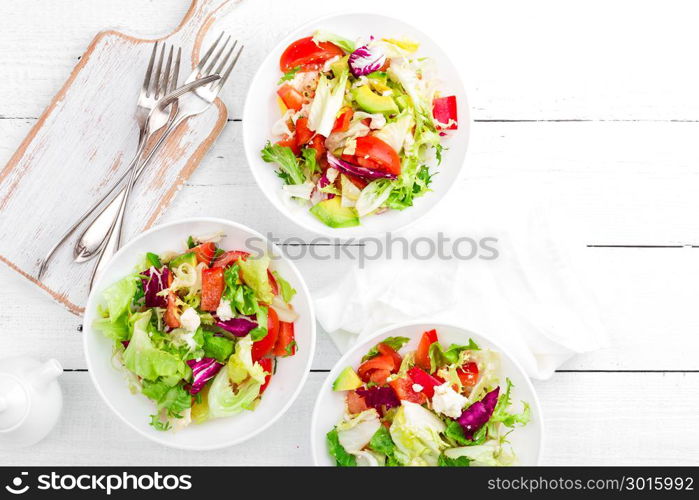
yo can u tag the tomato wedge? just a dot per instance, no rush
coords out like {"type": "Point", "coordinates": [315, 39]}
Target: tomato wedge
{"type": "Point", "coordinates": [266, 364]}
{"type": "Point", "coordinates": [380, 362]}
{"type": "Point", "coordinates": [444, 111]}
{"type": "Point", "coordinates": [468, 374]}
{"type": "Point", "coordinates": [286, 343]}
{"type": "Point", "coordinates": [264, 346]}
{"type": "Point", "coordinates": [290, 142]}
{"type": "Point", "coordinates": [227, 258]}
{"type": "Point", "coordinates": [427, 381]}
{"type": "Point", "coordinates": [212, 285]}
{"type": "Point", "coordinates": [422, 355]}
{"type": "Point", "coordinates": [372, 152]}
{"type": "Point", "coordinates": [389, 351]}
{"type": "Point", "coordinates": [172, 315]}
{"type": "Point", "coordinates": [291, 97]}
{"type": "Point", "coordinates": [342, 123]}
{"type": "Point", "coordinates": [318, 143]}
{"type": "Point", "coordinates": [379, 377]}
{"type": "Point", "coordinates": [307, 54]}
{"type": "Point", "coordinates": [205, 252]}
{"type": "Point", "coordinates": [303, 133]}
{"type": "Point", "coordinates": [403, 388]}
{"type": "Point", "coordinates": [355, 403]}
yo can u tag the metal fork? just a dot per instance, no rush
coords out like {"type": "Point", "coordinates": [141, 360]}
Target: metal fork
{"type": "Point", "coordinates": [144, 107]}
{"type": "Point", "coordinates": [190, 104]}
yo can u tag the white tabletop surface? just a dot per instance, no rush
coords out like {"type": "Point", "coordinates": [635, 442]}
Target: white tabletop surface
{"type": "Point", "coordinates": [593, 106]}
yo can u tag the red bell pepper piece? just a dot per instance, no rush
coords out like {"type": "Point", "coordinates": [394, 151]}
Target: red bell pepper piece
{"type": "Point", "coordinates": [212, 286]}
{"type": "Point", "coordinates": [266, 364]}
{"type": "Point", "coordinates": [422, 355]}
{"type": "Point", "coordinates": [444, 112]}
{"type": "Point", "coordinates": [427, 381]}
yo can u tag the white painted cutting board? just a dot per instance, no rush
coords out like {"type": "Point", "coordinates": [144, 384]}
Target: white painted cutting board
{"type": "Point", "coordinates": [84, 140]}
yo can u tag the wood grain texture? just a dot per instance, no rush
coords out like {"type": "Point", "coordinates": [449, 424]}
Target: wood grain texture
{"type": "Point", "coordinates": [82, 141]}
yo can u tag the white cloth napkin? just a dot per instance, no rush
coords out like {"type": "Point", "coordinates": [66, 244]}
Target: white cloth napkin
{"type": "Point", "coordinates": [530, 300]}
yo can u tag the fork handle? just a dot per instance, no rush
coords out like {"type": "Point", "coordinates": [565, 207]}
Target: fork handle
{"type": "Point", "coordinates": [113, 237]}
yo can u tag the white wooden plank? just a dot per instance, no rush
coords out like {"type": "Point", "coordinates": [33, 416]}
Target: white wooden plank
{"type": "Point", "coordinates": [590, 419]}
{"type": "Point", "coordinates": [539, 59]}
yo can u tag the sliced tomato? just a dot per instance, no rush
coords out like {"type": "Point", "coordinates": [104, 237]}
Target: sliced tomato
{"type": "Point", "coordinates": [422, 355]}
{"type": "Point", "coordinates": [205, 252]}
{"type": "Point", "coordinates": [307, 54]}
{"type": "Point", "coordinates": [342, 123]}
{"type": "Point", "coordinates": [172, 315]}
{"type": "Point", "coordinates": [389, 351]}
{"type": "Point", "coordinates": [380, 362]}
{"type": "Point", "coordinates": [444, 111]}
{"type": "Point", "coordinates": [355, 403]}
{"type": "Point", "coordinates": [357, 181]}
{"type": "Point", "coordinates": [468, 374]}
{"type": "Point", "coordinates": [318, 143]}
{"type": "Point", "coordinates": [212, 285]}
{"type": "Point", "coordinates": [264, 346]}
{"type": "Point", "coordinates": [303, 133]}
{"type": "Point", "coordinates": [427, 381]}
{"type": "Point", "coordinates": [267, 364]}
{"type": "Point", "coordinates": [290, 142]}
{"type": "Point", "coordinates": [403, 388]}
{"type": "Point", "coordinates": [286, 343]}
{"type": "Point", "coordinates": [291, 97]}
{"type": "Point", "coordinates": [380, 154]}
{"type": "Point", "coordinates": [379, 377]}
{"type": "Point", "coordinates": [227, 258]}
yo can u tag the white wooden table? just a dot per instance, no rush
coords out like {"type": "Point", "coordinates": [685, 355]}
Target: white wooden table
{"type": "Point", "coordinates": [593, 106]}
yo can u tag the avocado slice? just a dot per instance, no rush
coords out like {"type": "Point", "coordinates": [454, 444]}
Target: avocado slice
{"type": "Point", "coordinates": [189, 258]}
{"type": "Point", "coordinates": [374, 103]}
{"type": "Point", "coordinates": [331, 213]}
{"type": "Point", "coordinates": [347, 380]}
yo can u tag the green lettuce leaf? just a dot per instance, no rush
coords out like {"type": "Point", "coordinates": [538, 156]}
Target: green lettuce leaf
{"type": "Point", "coordinates": [342, 458]}
{"type": "Point", "coordinates": [225, 400]}
{"type": "Point", "coordinates": [290, 170]}
{"type": "Point", "coordinates": [119, 295]}
{"type": "Point", "coordinates": [445, 461]}
{"type": "Point", "coordinates": [174, 399]}
{"type": "Point", "coordinates": [117, 330]}
{"type": "Point", "coordinates": [381, 442]}
{"type": "Point", "coordinates": [254, 272]}
{"type": "Point", "coordinates": [145, 360]}
{"type": "Point", "coordinates": [285, 288]}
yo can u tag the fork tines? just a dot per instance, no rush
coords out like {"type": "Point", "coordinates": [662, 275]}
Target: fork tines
{"type": "Point", "coordinates": [220, 60]}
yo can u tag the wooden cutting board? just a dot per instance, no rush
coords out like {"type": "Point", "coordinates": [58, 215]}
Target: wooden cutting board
{"type": "Point", "coordinates": [83, 142]}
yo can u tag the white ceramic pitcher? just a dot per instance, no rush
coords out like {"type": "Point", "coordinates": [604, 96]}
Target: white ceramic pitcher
{"type": "Point", "coordinates": [30, 400]}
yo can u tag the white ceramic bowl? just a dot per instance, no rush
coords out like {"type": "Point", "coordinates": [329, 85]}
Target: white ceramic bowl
{"type": "Point", "coordinates": [526, 441]}
{"type": "Point", "coordinates": [261, 111]}
{"type": "Point", "coordinates": [134, 409]}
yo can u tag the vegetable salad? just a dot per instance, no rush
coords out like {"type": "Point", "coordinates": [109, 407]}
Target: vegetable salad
{"type": "Point", "coordinates": [434, 406]}
{"type": "Point", "coordinates": [199, 333]}
{"type": "Point", "coordinates": [361, 123]}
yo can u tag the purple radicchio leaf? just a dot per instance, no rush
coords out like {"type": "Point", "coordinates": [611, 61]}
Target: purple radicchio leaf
{"type": "Point", "coordinates": [203, 370]}
{"type": "Point", "coordinates": [365, 60]}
